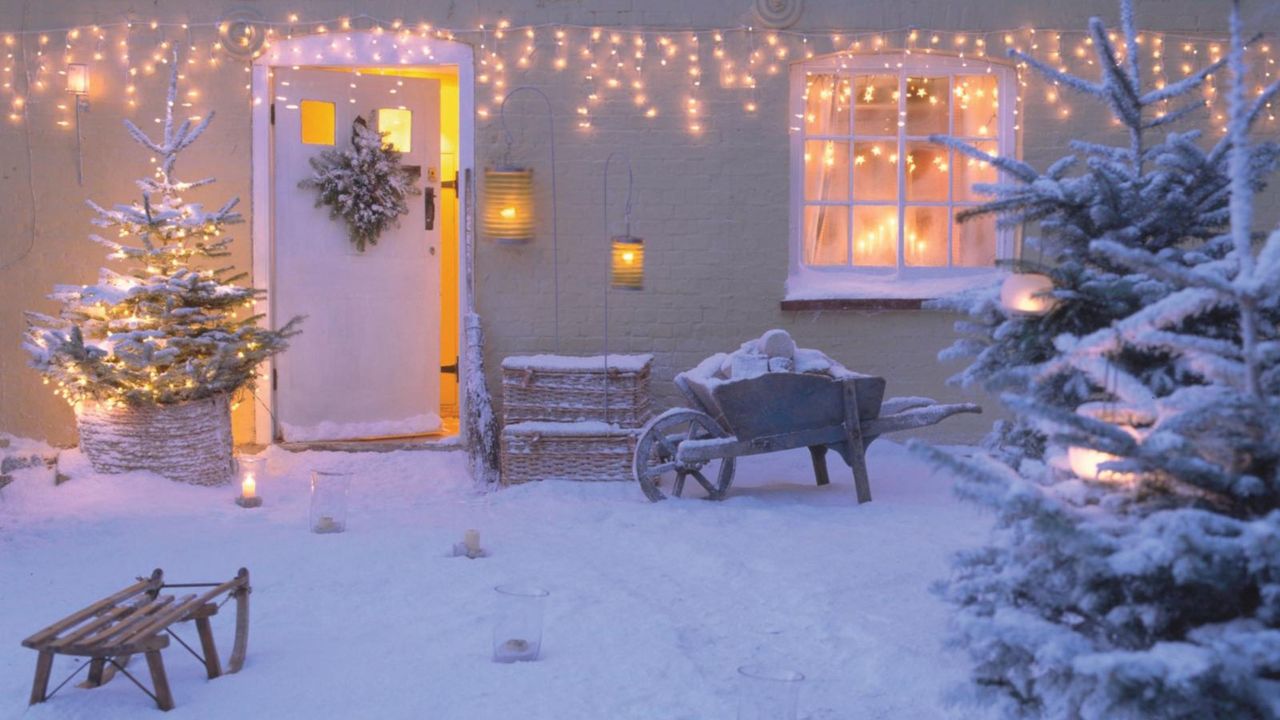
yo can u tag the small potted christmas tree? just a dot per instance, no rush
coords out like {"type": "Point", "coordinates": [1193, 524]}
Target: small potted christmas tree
{"type": "Point", "coordinates": [151, 356]}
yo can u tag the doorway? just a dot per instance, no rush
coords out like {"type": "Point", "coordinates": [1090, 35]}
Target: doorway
{"type": "Point", "coordinates": [378, 354]}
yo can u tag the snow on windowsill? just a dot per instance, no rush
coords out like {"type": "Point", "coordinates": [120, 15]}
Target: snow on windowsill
{"type": "Point", "coordinates": [887, 284]}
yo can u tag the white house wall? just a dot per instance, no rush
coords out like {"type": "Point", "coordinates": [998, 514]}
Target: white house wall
{"type": "Point", "coordinates": [712, 207]}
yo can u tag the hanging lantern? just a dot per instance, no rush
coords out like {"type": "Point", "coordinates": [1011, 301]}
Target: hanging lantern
{"type": "Point", "coordinates": [1027, 294]}
{"type": "Point", "coordinates": [508, 207]}
{"type": "Point", "coordinates": [1087, 463]}
{"type": "Point", "coordinates": [627, 263]}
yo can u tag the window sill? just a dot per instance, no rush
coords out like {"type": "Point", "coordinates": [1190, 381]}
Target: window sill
{"type": "Point", "coordinates": [811, 289]}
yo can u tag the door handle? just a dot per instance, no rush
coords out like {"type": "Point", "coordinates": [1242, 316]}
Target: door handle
{"type": "Point", "coordinates": [429, 207]}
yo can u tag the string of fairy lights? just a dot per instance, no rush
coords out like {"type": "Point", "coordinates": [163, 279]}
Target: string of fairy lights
{"type": "Point", "coordinates": [127, 61]}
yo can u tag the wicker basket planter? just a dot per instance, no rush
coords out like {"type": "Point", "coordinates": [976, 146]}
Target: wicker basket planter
{"type": "Point", "coordinates": [566, 451]}
{"type": "Point", "coordinates": [189, 442]}
{"type": "Point", "coordinates": [557, 388]}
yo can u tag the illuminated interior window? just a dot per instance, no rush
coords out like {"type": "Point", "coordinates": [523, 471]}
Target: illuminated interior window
{"type": "Point", "coordinates": [395, 125]}
{"type": "Point", "coordinates": [875, 190]}
{"type": "Point", "coordinates": [317, 122]}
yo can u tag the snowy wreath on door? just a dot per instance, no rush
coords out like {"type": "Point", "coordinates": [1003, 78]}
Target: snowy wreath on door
{"type": "Point", "coordinates": [365, 185]}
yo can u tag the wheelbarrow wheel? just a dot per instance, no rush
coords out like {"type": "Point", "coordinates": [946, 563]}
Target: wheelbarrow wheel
{"type": "Point", "coordinates": [655, 458]}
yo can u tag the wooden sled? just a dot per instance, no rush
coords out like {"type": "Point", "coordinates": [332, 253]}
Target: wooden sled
{"type": "Point", "coordinates": [138, 619]}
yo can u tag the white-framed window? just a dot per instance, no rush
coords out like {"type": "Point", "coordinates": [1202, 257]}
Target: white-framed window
{"type": "Point", "coordinates": [873, 200]}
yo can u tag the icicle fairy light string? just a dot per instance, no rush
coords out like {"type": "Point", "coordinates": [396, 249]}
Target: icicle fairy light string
{"type": "Point", "coordinates": [609, 65]}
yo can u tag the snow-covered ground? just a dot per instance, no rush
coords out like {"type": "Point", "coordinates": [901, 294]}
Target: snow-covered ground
{"type": "Point", "coordinates": [652, 607]}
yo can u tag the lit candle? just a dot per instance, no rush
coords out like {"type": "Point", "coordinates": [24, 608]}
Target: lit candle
{"type": "Point", "coordinates": [249, 468]}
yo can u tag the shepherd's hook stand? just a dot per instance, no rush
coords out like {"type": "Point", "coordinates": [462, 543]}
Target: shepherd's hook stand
{"type": "Point", "coordinates": [555, 227]}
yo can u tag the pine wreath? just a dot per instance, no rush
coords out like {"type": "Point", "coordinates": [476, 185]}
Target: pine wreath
{"type": "Point", "coordinates": [365, 185]}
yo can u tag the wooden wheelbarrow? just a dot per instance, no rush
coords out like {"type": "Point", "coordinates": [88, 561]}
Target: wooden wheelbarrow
{"type": "Point", "coordinates": [138, 619]}
{"type": "Point", "coordinates": [769, 413]}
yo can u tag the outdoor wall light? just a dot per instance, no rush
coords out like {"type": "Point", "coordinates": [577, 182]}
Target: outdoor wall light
{"type": "Point", "coordinates": [242, 32]}
{"type": "Point", "coordinates": [78, 85]}
{"type": "Point", "coordinates": [78, 80]}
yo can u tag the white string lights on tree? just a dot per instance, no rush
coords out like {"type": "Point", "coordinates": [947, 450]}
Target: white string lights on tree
{"type": "Point", "coordinates": [613, 64]}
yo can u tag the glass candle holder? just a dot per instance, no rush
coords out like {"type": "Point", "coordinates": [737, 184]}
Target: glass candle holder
{"type": "Point", "coordinates": [329, 501]}
{"type": "Point", "coordinates": [517, 631]}
{"type": "Point", "coordinates": [768, 693]}
{"type": "Point", "coordinates": [251, 469]}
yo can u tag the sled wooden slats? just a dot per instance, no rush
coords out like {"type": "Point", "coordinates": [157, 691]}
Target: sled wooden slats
{"type": "Point", "coordinates": [151, 584]}
{"type": "Point", "coordinates": [138, 619]}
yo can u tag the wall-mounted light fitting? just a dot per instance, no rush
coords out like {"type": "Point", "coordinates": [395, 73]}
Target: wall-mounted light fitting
{"type": "Point", "coordinates": [242, 32]}
{"type": "Point", "coordinates": [78, 79]}
{"type": "Point", "coordinates": [78, 85]}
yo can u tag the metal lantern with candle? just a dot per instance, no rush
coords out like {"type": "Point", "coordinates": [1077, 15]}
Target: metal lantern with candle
{"type": "Point", "coordinates": [627, 266]}
{"type": "Point", "coordinates": [250, 467]}
{"type": "Point", "coordinates": [626, 251]}
{"type": "Point", "coordinates": [1088, 463]}
{"type": "Point", "coordinates": [508, 213]}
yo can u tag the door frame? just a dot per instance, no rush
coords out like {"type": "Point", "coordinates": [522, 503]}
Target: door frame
{"type": "Point", "coordinates": [354, 50]}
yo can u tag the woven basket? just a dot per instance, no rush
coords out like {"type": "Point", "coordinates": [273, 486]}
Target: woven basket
{"type": "Point", "coordinates": [534, 392]}
{"type": "Point", "coordinates": [189, 442]}
{"type": "Point", "coordinates": [569, 451]}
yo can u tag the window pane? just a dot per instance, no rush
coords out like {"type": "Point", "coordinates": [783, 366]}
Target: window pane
{"type": "Point", "coordinates": [977, 106]}
{"type": "Point", "coordinates": [826, 235]}
{"type": "Point", "coordinates": [928, 172]}
{"type": "Point", "coordinates": [875, 100]}
{"type": "Point", "coordinates": [875, 171]}
{"type": "Point", "coordinates": [875, 236]}
{"type": "Point", "coordinates": [925, 243]}
{"type": "Point", "coordinates": [317, 122]}
{"type": "Point", "coordinates": [395, 124]}
{"type": "Point", "coordinates": [826, 170]}
{"type": "Point", "coordinates": [970, 170]}
{"type": "Point", "coordinates": [928, 101]}
{"type": "Point", "coordinates": [826, 105]}
{"type": "Point", "coordinates": [975, 242]}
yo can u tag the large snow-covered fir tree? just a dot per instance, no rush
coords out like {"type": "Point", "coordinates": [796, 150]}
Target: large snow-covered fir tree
{"type": "Point", "coordinates": [173, 324]}
{"type": "Point", "coordinates": [1135, 573]}
{"type": "Point", "coordinates": [1166, 195]}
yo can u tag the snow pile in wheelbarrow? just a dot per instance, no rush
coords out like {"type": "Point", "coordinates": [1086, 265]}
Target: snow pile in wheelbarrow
{"type": "Point", "coordinates": [773, 351]}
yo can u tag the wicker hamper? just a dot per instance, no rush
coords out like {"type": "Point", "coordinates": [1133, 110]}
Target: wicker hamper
{"type": "Point", "coordinates": [566, 451]}
{"type": "Point", "coordinates": [189, 442]}
{"type": "Point", "coordinates": [557, 388]}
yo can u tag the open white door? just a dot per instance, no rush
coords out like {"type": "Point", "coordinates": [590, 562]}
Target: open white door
{"type": "Point", "coordinates": [367, 362]}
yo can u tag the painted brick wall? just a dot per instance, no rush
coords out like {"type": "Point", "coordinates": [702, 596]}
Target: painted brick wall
{"type": "Point", "coordinates": [712, 207]}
